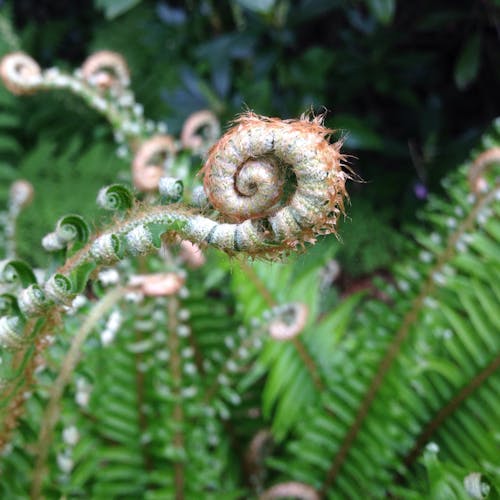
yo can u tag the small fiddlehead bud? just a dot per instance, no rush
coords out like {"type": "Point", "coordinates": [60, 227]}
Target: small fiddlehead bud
{"type": "Point", "coordinates": [115, 197]}
{"type": "Point", "coordinates": [148, 168]}
{"type": "Point", "coordinates": [171, 189]}
{"type": "Point", "coordinates": [476, 487]}
{"type": "Point", "coordinates": [32, 300]}
{"type": "Point", "coordinates": [70, 228]}
{"type": "Point", "coordinates": [139, 241]}
{"type": "Point", "coordinates": [20, 73]}
{"type": "Point", "coordinates": [10, 332]}
{"type": "Point", "coordinates": [199, 197]}
{"type": "Point", "coordinates": [200, 129]}
{"type": "Point", "coordinates": [59, 289]}
{"type": "Point", "coordinates": [105, 70]}
{"type": "Point", "coordinates": [21, 193]}
{"type": "Point", "coordinates": [191, 254]}
{"type": "Point", "coordinates": [16, 273]}
{"type": "Point", "coordinates": [288, 321]}
{"type": "Point", "coordinates": [106, 249]}
{"type": "Point", "coordinates": [158, 285]}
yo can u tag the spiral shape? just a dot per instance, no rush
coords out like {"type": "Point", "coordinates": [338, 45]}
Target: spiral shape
{"type": "Point", "coordinates": [285, 171]}
{"type": "Point", "coordinates": [288, 320]}
{"type": "Point", "coordinates": [10, 332]}
{"type": "Point", "coordinates": [32, 300]}
{"type": "Point", "coordinates": [146, 171]}
{"type": "Point", "coordinates": [200, 128]}
{"type": "Point", "coordinates": [115, 197]}
{"type": "Point", "coordinates": [59, 289]}
{"type": "Point", "coordinates": [106, 69]}
{"type": "Point", "coordinates": [20, 73]}
{"type": "Point", "coordinates": [171, 189]}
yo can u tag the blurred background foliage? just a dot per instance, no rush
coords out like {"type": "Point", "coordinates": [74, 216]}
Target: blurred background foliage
{"type": "Point", "coordinates": [410, 87]}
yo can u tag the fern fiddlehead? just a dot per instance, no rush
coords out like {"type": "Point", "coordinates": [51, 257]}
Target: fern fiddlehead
{"type": "Point", "coordinates": [259, 145]}
{"type": "Point", "coordinates": [199, 130]}
{"type": "Point", "coordinates": [246, 177]}
{"type": "Point", "coordinates": [106, 69]}
{"type": "Point", "coordinates": [146, 176]}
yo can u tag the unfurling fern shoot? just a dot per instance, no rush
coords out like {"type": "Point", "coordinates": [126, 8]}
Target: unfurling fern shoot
{"type": "Point", "coordinates": [285, 173]}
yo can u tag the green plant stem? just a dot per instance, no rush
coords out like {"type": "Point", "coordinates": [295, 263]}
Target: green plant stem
{"type": "Point", "coordinates": [259, 284]}
{"type": "Point", "coordinates": [51, 414]}
{"type": "Point", "coordinates": [409, 319]}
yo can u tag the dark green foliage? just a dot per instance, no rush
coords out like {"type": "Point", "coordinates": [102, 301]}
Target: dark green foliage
{"type": "Point", "coordinates": [368, 240]}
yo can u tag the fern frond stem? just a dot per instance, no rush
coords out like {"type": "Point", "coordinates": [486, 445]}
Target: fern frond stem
{"type": "Point", "coordinates": [447, 410]}
{"type": "Point", "coordinates": [139, 384]}
{"type": "Point", "coordinates": [297, 343]}
{"type": "Point", "coordinates": [198, 354]}
{"type": "Point", "coordinates": [308, 362]}
{"type": "Point", "coordinates": [408, 320]}
{"type": "Point", "coordinates": [176, 371]}
{"type": "Point", "coordinates": [259, 284]}
{"type": "Point", "coordinates": [190, 227]}
{"type": "Point", "coordinates": [51, 414]}
{"type": "Point", "coordinates": [14, 393]}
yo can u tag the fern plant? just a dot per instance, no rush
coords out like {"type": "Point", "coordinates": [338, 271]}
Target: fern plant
{"type": "Point", "coordinates": [137, 364]}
